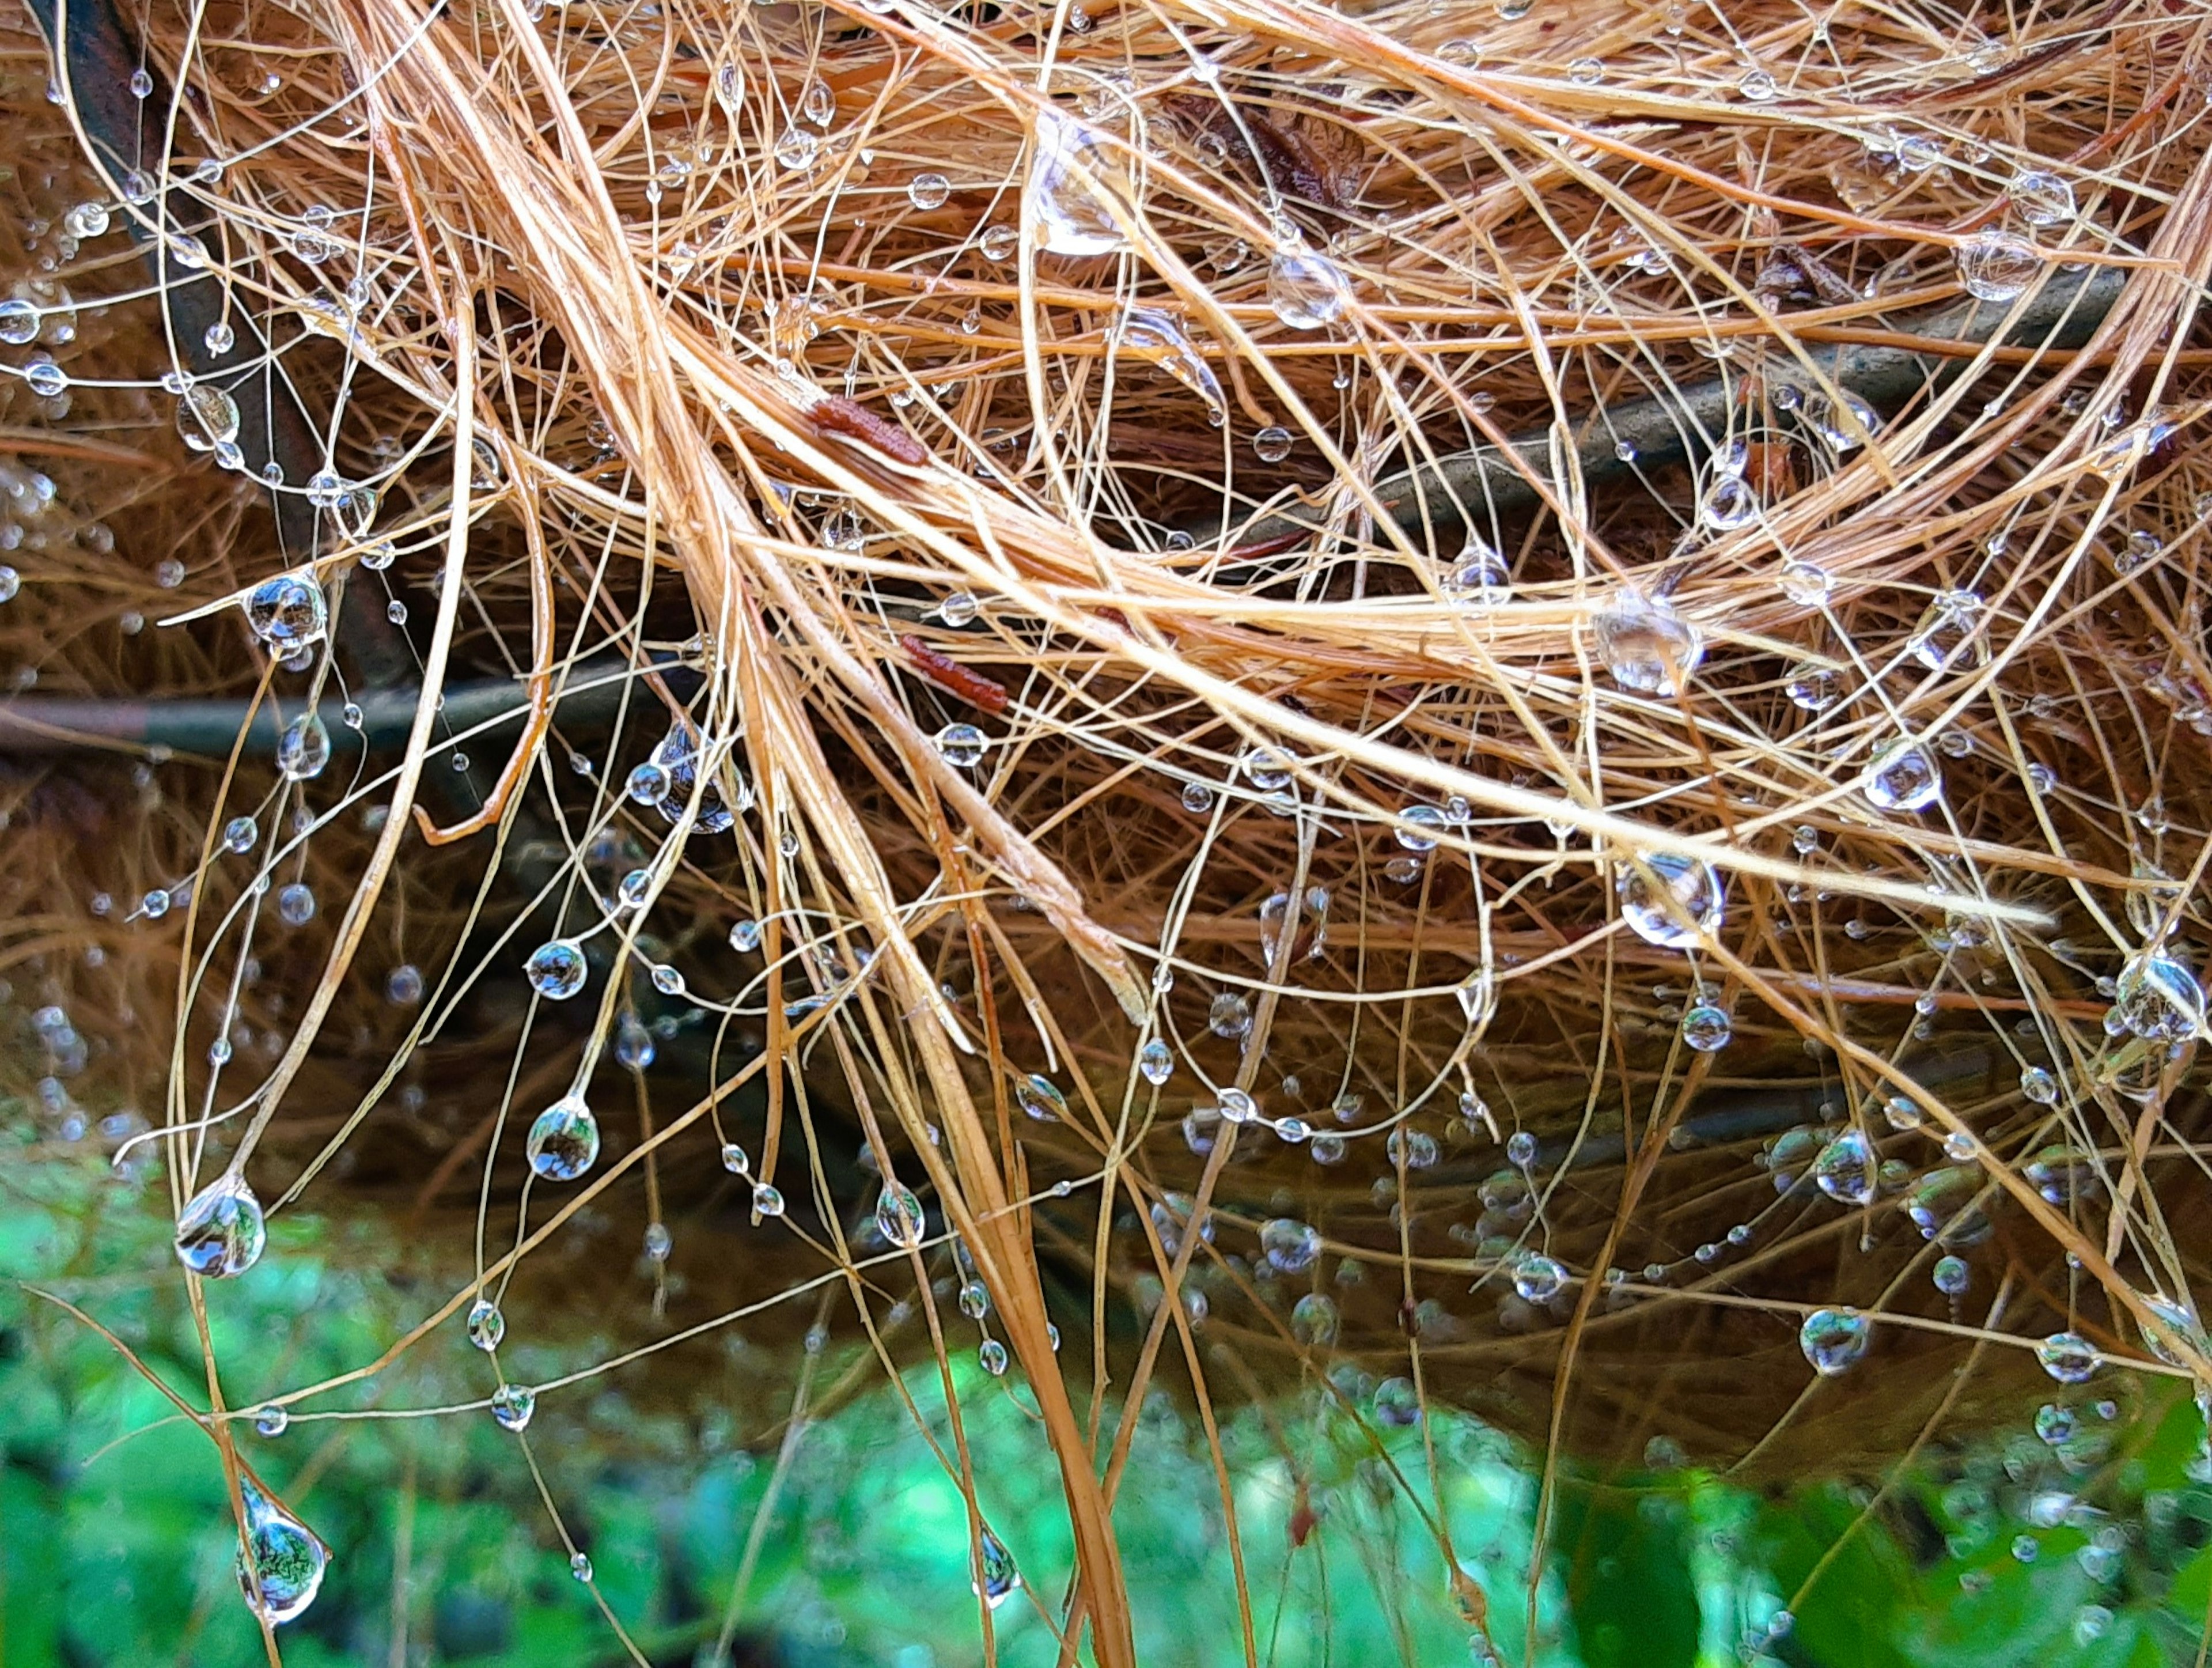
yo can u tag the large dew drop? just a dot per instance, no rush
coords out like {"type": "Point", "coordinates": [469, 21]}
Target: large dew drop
{"type": "Point", "coordinates": [2158, 999]}
{"type": "Point", "coordinates": [1291, 1246]}
{"type": "Point", "coordinates": [289, 611]}
{"type": "Point", "coordinates": [1155, 335]}
{"type": "Point", "coordinates": [898, 1216]}
{"type": "Point", "coordinates": [1995, 266]}
{"type": "Point", "coordinates": [1845, 1169]}
{"type": "Point", "coordinates": [1304, 290]}
{"type": "Point", "coordinates": [1647, 648]}
{"type": "Point", "coordinates": [1834, 1339]}
{"type": "Point", "coordinates": [564, 1140]}
{"type": "Point", "coordinates": [1906, 777]}
{"type": "Point", "coordinates": [1001, 1577]}
{"type": "Point", "coordinates": [556, 970]}
{"type": "Point", "coordinates": [2068, 1357]}
{"type": "Point", "coordinates": [220, 1232]}
{"type": "Point", "coordinates": [1693, 887]}
{"type": "Point", "coordinates": [1065, 198]}
{"type": "Point", "coordinates": [280, 1562]}
{"type": "Point", "coordinates": [677, 760]}
{"type": "Point", "coordinates": [304, 749]}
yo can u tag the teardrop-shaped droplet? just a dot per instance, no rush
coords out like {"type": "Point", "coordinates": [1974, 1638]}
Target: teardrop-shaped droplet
{"type": "Point", "coordinates": [304, 749]}
{"type": "Point", "coordinates": [1706, 1028]}
{"type": "Point", "coordinates": [1157, 337]}
{"type": "Point", "coordinates": [898, 1216]}
{"type": "Point", "coordinates": [1155, 1062]}
{"type": "Point", "coordinates": [288, 613]}
{"type": "Point", "coordinates": [1846, 1168]}
{"type": "Point", "coordinates": [1305, 291]}
{"type": "Point", "coordinates": [1041, 1099]}
{"type": "Point", "coordinates": [1833, 1340]}
{"type": "Point", "coordinates": [677, 760]}
{"type": "Point", "coordinates": [280, 1562]}
{"type": "Point", "coordinates": [1647, 648]}
{"type": "Point", "coordinates": [1692, 887]}
{"type": "Point", "coordinates": [220, 1232]}
{"type": "Point", "coordinates": [564, 1140]}
{"type": "Point", "coordinates": [1066, 193]}
{"type": "Point", "coordinates": [1000, 1578]}
{"type": "Point", "coordinates": [2043, 199]}
{"type": "Point", "coordinates": [206, 416]}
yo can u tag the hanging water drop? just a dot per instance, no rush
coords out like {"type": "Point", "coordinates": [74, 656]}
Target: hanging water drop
{"type": "Point", "coordinates": [1156, 1062]}
{"type": "Point", "coordinates": [1290, 1246]}
{"type": "Point", "coordinates": [1538, 1278]}
{"type": "Point", "coordinates": [1480, 577]}
{"type": "Point", "coordinates": [2159, 999]}
{"type": "Point", "coordinates": [2068, 1357]}
{"type": "Point", "coordinates": [1313, 1320]}
{"type": "Point", "coordinates": [287, 612]}
{"type": "Point", "coordinates": [1041, 1099]}
{"type": "Point", "coordinates": [1706, 1028]}
{"type": "Point", "coordinates": [1647, 648]}
{"type": "Point", "coordinates": [1833, 1340]}
{"type": "Point", "coordinates": [280, 1562]}
{"type": "Point", "coordinates": [556, 970]}
{"type": "Point", "coordinates": [1304, 290]}
{"type": "Point", "coordinates": [928, 190]}
{"type": "Point", "coordinates": [999, 1576]}
{"type": "Point", "coordinates": [564, 1140]}
{"type": "Point", "coordinates": [206, 417]}
{"type": "Point", "coordinates": [2043, 199]}
{"type": "Point", "coordinates": [1904, 777]}
{"type": "Point", "coordinates": [1151, 331]}
{"type": "Point", "coordinates": [1064, 196]}
{"type": "Point", "coordinates": [485, 1325]}
{"type": "Point", "coordinates": [1995, 266]}
{"type": "Point", "coordinates": [960, 745]}
{"type": "Point", "coordinates": [220, 1232]}
{"type": "Point", "coordinates": [1693, 887]}
{"type": "Point", "coordinates": [899, 1216]}
{"type": "Point", "coordinates": [513, 1406]}
{"type": "Point", "coordinates": [1845, 1169]}
{"type": "Point", "coordinates": [304, 748]}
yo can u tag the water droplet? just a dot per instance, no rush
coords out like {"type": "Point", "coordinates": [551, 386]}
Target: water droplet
{"type": "Point", "coordinates": [1951, 1276]}
{"type": "Point", "coordinates": [2068, 1357]}
{"type": "Point", "coordinates": [1845, 1169]}
{"type": "Point", "coordinates": [295, 904]}
{"type": "Point", "coordinates": [1904, 777]}
{"type": "Point", "coordinates": [579, 1566]}
{"type": "Point", "coordinates": [1001, 1577]}
{"type": "Point", "coordinates": [1271, 444]}
{"type": "Point", "coordinates": [1197, 798]}
{"type": "Point", "coordinates": [273, 1420]}
{"type": "Point", "coordinates": [513, 1405]}
{"type": "Point", "coordinates": [1728, 503]}
{"type": "Point", "coordinates": [220, 1232]}
{"type": "Point", "coordinates": [960, 745]}
{"type": "Point", "coordinates": [287, 612]}
{"type": "Point", "coordinates": [485, 1325]}
{"type": "Point", "coordinates": [1521, 1150]}
{"type": "Point", "coordinates": [1152, 331]}
{"type": "Point", "coordinates": [1304, 290]}
{"type": "Point", "coordinates": [2159, 999]}
{"type": "Point", "coordinates": [2042, 199]}
{"type": "Point", "coordinates": [1314, 1319]}
{"type": "Point", "coordinates": [240, 834]}
{"type": "Point", "coordinates": [1480, 577]}
{"type": "Point", "coordinates": [928, 190]}
{"type": "Point", "coordinates": [1229, 1016]}
{"type": "Point", "coordinates": [279, 1558]}
{"type": "Point", "coordinates": [1065, 194]}
{"type": "Point", "coordinates": [1814, 688]}
{"type": "Point", "coordinates": [2055, 1424]}
{"type": "Point", "coordinates": [1039, 1098]}
{"type": "Point", "coordinates": [206, 417]}
{"type": "Point", "coordinates": [1756, 86]}
{"type": "Point", "coordinates": [1694, 887]}
{"type": "Point", "coordinates": [1806, 583]}
{"type": "Point", "coordinates": [817, 103]}
{"type": "Point", "coordinates": [993, 1356]}
{"type": "Point", "coordinates": [304, 748]}
{"type": "Point", "coordinates": [557, 968]}
{"type": "Point", "coordinates": [1397, 1404]}
{"type": "Point", "coordinates": [899, 1217]}
{"type": "Point", "coordinates": [88, 219]}
{"type": "Point", "coordinates": [766, 1200]}
{"type": "Point", "coordinates": [658, 1242]}
{"type": "Point", "coordinates": [1291, 1247]}
{"type": "Point", "coordinates": [1996, 266]}
{"type": "Point", "coordinates": [676, 756]}
{"type": "Point", "coordinates": [1647, 648]}
{"type": "Point", "coordinates": [19, 322]}
{"type": "Point", "coordinates": [1706, 1028]}
{"type": "Point", "coordinates": [1155, 1062]}
{"type": "Point", "coordinates": [796, 148]}
{"type": "Point", "coordinates": [564, 1140]}
{"type": "Point", "coordinates": [1833, 1340]}
{"type": "Point", "coordinates": [219, 337]}
{"type": "Point", "coordinates": [1538, 1278]}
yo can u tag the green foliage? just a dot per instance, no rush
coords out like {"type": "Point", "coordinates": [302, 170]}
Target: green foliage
{"type": "Point", "coordinates": [117, 1544]}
